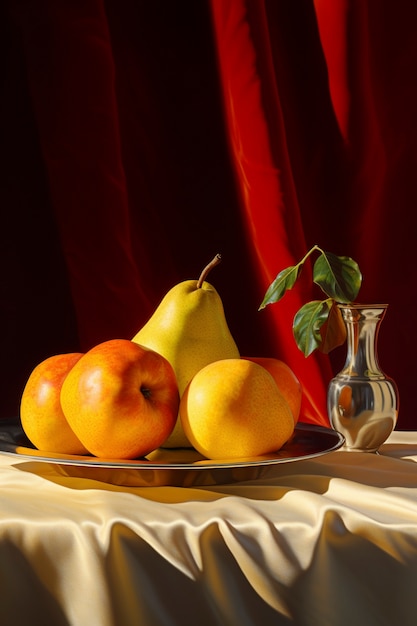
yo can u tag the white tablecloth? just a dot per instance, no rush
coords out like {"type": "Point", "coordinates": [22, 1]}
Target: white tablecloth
{"type": "Point", "coordinates": [326, 541]}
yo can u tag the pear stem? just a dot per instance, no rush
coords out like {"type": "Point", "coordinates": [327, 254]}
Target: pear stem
{"type": "Point", "coordinates": [215, 261]}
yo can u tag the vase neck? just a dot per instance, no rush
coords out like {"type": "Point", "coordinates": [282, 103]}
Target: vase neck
{"type": "Point", "coordinates": [362, 327]}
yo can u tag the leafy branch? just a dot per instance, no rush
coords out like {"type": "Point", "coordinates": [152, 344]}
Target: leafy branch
{"type": "Point", "coordinates": [318, 324]}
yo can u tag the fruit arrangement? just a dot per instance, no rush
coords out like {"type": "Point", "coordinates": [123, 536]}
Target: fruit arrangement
{"type": "Point", "coordinates": [179, 382]}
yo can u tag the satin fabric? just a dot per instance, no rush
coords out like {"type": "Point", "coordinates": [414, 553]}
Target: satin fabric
{"type": "Point", "coordinates": [329, 541]}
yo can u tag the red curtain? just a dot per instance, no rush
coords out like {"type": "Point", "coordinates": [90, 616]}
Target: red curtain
{"type": "Point", "coordinates": [140, 138]}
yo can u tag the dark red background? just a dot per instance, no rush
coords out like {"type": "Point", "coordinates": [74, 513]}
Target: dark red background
{"type": "Point", "coordinates": [140, 138]}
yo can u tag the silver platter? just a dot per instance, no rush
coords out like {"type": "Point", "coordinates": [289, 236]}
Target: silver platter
{"type": "Point", "coordinates": [173, 467]}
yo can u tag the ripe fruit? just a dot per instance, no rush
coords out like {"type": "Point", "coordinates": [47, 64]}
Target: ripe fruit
{"type": "Point", "coordinates": [41, 414]}
{"type": "Point", "coordinates": [189, 329]}
{"type": "Point", "coordinates": [121, 399]}
{"type": "Point", "coordinates": [233, 408]}
{"type": "Point", "coordinates": [287, 382]}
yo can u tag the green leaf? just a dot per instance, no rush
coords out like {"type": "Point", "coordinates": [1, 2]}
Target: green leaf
{"type": "Point", "coordinates": [307, 325]}
{"type": "Point", "coordinates": [285, 280]}
{"type": "Point", "coordinates": [338, 276]}
{"type": "Point", "coordinates": [333, 331]}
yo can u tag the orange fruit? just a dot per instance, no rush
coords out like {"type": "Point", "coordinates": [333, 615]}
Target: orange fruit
{"type": "Point", "coordinates": [233, 409]}
{"type": "Point", "coordinates": [41, 415]}
{"type": "Point", "coordinates": [287, 381]}
{"type": "Point", "coordinates": [121, 399]}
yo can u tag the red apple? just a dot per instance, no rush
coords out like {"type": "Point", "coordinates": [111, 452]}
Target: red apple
{"type": "Point", "coordinates": [121, 399]}
{"type": "Point", "coordinates": [287, 382]}
{"type": "Point", "coordinates": [41, 414]}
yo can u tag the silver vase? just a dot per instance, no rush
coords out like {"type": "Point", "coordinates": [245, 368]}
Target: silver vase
{"type": "Point", "coordinates": [362, 401]}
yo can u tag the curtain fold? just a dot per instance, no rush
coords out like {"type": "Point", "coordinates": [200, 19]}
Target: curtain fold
{"type": "Point", "coordinates": [71, 77]}
{"type": "Point", "coordinates": [268, 198]}
{"type": "Point", "coordinates": [139, 139]}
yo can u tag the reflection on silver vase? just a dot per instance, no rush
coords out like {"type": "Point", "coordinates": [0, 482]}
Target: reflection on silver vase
{"type": "Point", "coordinates": [362, 401]}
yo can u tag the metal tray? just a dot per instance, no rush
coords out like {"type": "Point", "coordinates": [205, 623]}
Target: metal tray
{"type": "Point", "coordinates": [174, 467]}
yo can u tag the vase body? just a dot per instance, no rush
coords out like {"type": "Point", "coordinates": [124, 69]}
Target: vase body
{"type": "Point", "coordinates": [362, 401]}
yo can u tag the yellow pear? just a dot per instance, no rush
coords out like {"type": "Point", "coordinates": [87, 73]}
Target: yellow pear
{"type": "Point", "coordinates": [233, 408]}
{"type": "Point", "coordinates": [190, 330]}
